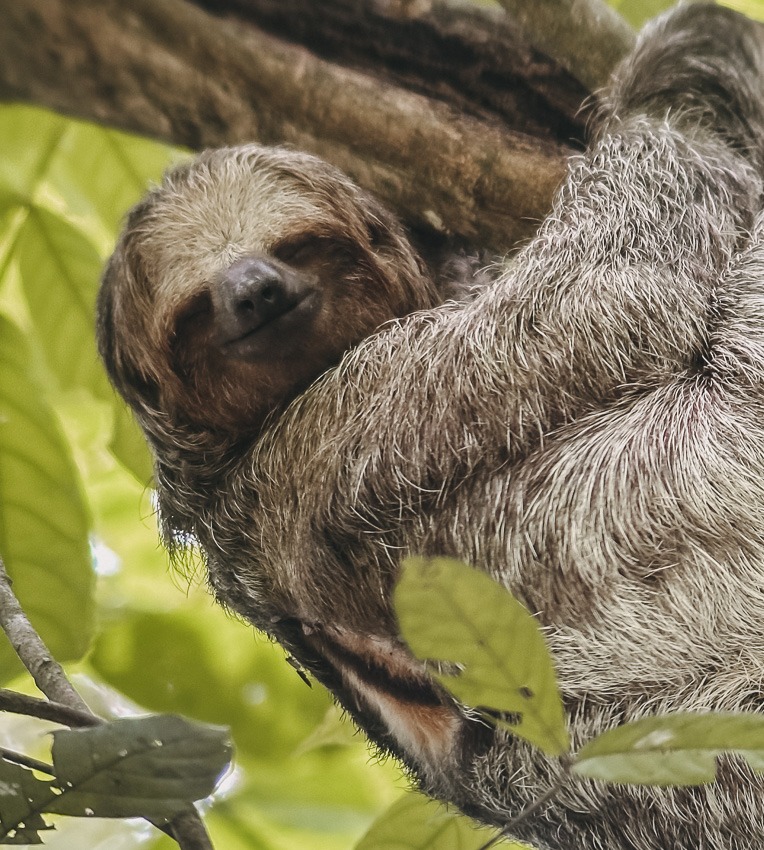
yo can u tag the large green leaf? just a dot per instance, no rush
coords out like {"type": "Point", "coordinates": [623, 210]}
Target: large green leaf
{"type": "Point", "coordinates": [415, 823]}
{"type": "Point", "coordinates": [43, 519]}
{"type": "Point", "coordinates": [451, 613]}
{"type": "Point", "coordinates": [137, 766]}
{"type": "Point", "coordinates": [675, 749]}
{"type": "Point", "coordinates": [133, 767]}
{"type": "Point", "coordinates": [104, 171]}
{"type": "Point", "coordinates": [60, 270]}
{"type": "Point", "coordinates": [29, 141]}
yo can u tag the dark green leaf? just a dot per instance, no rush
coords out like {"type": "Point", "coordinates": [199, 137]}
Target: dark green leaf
{"type": "Point", "coordinates": [145, 766]}
{"type": "Point", "coordinates": [675, 749]}
{"type": "Point", "coordinates": [449, 612]}
{"type": "Point", "coordinates": [22, 798]}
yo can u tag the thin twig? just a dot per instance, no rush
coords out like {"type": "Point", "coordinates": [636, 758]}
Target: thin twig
{"type": "Point", "coordinates": [187, 828]}
{"type": "Point", "coordinates": [26, 761]}
{"type": "Point", "coordinates": [44, 710]}
{"type": "Point", "coordinates": [47, 673]}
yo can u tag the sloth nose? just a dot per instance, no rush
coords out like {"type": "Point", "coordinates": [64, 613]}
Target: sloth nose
{"type": "Point", "coordinates": [250, 293]}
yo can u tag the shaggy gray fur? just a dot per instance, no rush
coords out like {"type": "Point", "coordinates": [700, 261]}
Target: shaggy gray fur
{"type": "Point", "coordinates": [588, 430]}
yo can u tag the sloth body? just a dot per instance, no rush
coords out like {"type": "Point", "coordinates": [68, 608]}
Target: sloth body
{"type": "Point", "coordinates": [586, 429]}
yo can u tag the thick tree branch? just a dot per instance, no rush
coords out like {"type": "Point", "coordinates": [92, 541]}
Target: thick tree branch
{"type": "Point", "coordinates": [587, 37]}
{"type": "Point", "coordinates": [168, 69]}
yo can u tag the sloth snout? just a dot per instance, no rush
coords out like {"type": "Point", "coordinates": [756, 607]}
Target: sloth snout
{"type": "Point", "coordinates": [251, 293]}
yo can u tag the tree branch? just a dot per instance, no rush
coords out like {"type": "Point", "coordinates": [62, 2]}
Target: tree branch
{"type": "Point", "coordinates": [56, 712]}
{"type": "Point", "coordinates": [26, 761]}
{"type": "Point", "coordinates": [187, 828]}
{"type": "Point", "coordinates": [587, 37]}
{"type": "Point", "coordinates": [47, 673]}
{"type": "Point", "coordinates": [168, 69]}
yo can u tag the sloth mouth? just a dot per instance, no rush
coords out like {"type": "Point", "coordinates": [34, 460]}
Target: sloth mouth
{"type": "Point", "coordinates": [409, 714]}
{"type": "Point", "coordinates": [276, 335]}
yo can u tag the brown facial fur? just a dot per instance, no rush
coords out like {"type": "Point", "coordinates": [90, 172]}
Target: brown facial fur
{"type": "Point", "coordinates": [207, 215]}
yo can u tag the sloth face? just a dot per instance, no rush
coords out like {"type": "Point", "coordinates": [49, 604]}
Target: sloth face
{"type": "Point", "coordinates": [243, 277]}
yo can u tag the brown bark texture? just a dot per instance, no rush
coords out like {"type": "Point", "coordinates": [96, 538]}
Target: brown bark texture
{"type": "Point", "coordinates": [440, 108]}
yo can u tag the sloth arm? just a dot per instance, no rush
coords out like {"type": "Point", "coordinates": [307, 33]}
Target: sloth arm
{"type": "Point", "coordinates": [616, 297]}
{"type": "Point", "coordinates": [616, 294]}
{"type": "Point", "coordinates": [641, 513]}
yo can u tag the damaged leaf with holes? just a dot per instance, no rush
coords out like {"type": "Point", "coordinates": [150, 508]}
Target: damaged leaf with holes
{"type": "Point", "coordinates": [150, 767]}
{"type": "Point", "coordinates": [493, 649]}
{"type": "Point", "coordinates": [22, 798]}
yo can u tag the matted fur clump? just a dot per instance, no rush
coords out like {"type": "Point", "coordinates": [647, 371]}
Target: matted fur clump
{"type": "Point", "coordinates": [587, 429]}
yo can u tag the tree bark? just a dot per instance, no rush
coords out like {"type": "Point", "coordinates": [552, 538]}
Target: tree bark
{"type": "Point", "coordinates": [467, 153]}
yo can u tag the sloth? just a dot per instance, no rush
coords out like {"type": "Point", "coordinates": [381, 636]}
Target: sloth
{"type": "Point", "coordinates": [585, 427]}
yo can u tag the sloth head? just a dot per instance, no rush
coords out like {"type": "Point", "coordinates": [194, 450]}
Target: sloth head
{"type": "Point", "coordinates": [240, 279]}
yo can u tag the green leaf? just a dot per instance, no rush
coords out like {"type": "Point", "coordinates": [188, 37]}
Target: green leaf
{"type": "Point", "coordinates": [29, 139]}
{"type": "Point", "coordinates": [416, 823]}
{"type": "Point", "coordinates": [105, 172]}
{"type": "Point", "coordinates": [675, 749]}
{"type": "Point", "coordinates": [752, 8]}
{"type": "Point", "coordinates": [129, 445]}
{"type": "Point", "coordinates": [60, 269]}
{"type": "Point", "coordinates": [449, 612]}
{"type": "Point", "coordinates": [43, 519]}
{"type": "Point", "coordinates": [138, 766]}
{"type": "Point", "coordinates": [20, 820]}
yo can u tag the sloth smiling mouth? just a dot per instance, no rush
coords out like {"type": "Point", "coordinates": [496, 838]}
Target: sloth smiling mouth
{"type": "Point", "coordinates": [273, 334]}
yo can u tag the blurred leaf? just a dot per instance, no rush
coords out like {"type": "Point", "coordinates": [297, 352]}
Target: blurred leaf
{"type": "Point", "coordinates": [255, 691]}
{"type": "Point", "coordinates": [129, 445]}
{"type": "Point", "coordinates": [449, 612]}
{"type": "Point", "coordinates": [29, 139]}
{"type": "Point", "coordinates": [60, 269]}
{"type": "Point", "coordinates": [105, 171]}
{"type": "Point", "coordinates": [637, 12]}
{"type": "Point", "coordinates": [137, 766]}
{"type": "Point", "coordinates": [677, 749]}
{"type": "Point", "coordinates": [43, 519]}
{"type": "Point", "coordinates": [416, 823]}
{"type": "Point", "coordinates": [20, 823]}
{"type": "Point", "coordinates": [752, 8]}
{"type": "Point", "coordinates": [334, 730]}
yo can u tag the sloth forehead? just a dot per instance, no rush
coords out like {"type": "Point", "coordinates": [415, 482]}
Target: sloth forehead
{"type": "Point", "coordinates": [198, 227]}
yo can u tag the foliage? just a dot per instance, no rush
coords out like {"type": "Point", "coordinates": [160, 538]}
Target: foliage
{"type": "Point", "coordinates": [496, 656]}
{"type": "Point", "coordinates": [148, 766]}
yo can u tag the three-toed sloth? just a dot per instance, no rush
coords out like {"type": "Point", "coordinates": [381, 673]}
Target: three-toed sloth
{"type": "Point", "coordinates": [587, 429]}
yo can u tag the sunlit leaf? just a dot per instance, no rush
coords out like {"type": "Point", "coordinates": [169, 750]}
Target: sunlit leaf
{"type": "Point", "coordinates": [675, 749]}
{"type": "Point", "coordinates": [752, 8]}
{"type": "Point", "coordinates": [129, 445]}
{"type": "Point", "coordinates": [138, 766]}
{"type": "Point", "coordinates": [105, 171]}
{"type": "Point", "coordinates": [43, 519]}
{"type": "Point", "coordinates": [29, 140]}
{"type": "Point", "coordinates": [416, 823]}
{"type": "Point", "coordinates": [451, 613]}
{"type": "Point", "coordinates": [60, 270]}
